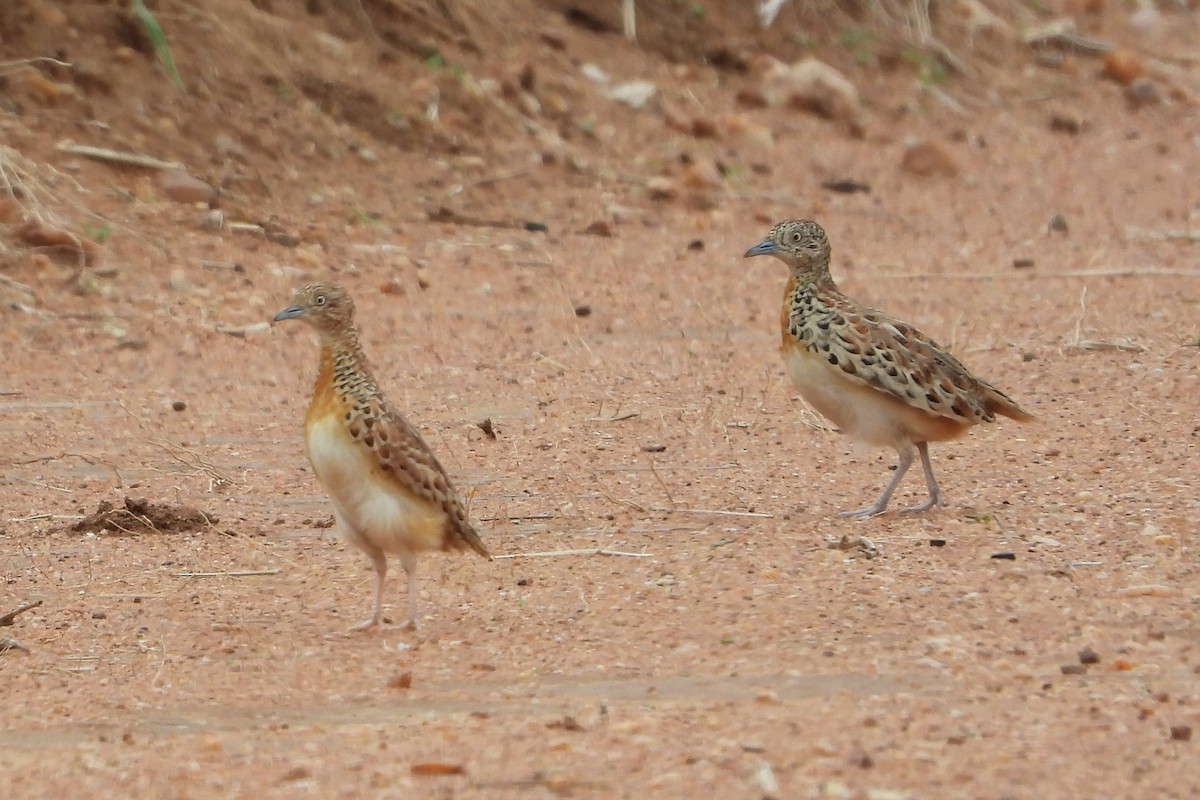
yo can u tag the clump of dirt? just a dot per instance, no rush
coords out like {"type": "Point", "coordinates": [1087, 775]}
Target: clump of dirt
{"type": "Point", "coordinates": [142, 516]}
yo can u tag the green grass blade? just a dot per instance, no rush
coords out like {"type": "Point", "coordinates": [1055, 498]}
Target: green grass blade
{"type": "Point", "coordinates": [159, 40]}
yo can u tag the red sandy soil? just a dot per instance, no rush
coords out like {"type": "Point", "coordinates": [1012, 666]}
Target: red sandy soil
{"type": "Point", "coordinates": [639, 404]}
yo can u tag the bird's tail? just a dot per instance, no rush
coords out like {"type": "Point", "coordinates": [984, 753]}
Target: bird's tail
{"type": "Point", "coordinates": [466, 538]}
{"type": "Point", "coordinates": [1000, 403]}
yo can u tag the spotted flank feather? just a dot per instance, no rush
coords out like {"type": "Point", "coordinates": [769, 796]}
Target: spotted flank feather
{"type": "Point", "coordinates": [893, 357]}
{"type": "Point", "coordinates": [402, 454]}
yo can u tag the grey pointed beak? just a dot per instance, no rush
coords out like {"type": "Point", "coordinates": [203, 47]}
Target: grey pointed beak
{"type": "Point", "coordinates": [764, 248]}
{"type": "Point", "coordinates": [291, 312]}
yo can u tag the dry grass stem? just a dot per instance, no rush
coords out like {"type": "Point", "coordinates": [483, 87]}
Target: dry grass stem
{"type": "Point", "coordinates": [241, 573]}
{"type": "Point", "coordinates": [715, 511]}
{"type": "Point", "coordinates": [121, 157]}
{"type": "Point", "coordinates": [1118, 272]}
{"type": "Point", "coordinates": [582, 552]}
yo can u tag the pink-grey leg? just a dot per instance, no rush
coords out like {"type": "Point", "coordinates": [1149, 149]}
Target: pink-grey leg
{"type": "Point", "coordinates": [379, 561]}
{"type": "Point", "coordinates": [409, 562]}
{"type": "Point", "coordinates": [935, 491]}
{"type": "Point", "coordinates": [906, 460]}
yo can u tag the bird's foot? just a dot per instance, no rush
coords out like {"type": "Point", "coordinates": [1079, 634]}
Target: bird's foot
{"type": "Point", "coordinates": [366, 625]}
{"type": "Point", "coordinates": [873, 510]}
{"type": "Point", "coordinates": [933, 502]}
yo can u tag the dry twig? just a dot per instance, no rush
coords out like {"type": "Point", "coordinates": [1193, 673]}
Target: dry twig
{"type": "Point", "coordinates": [7, 619]}
{"type": "Point", "coordinates": [847, 542]}
{"type": "Point", "coordinates": [85, 457]}
{"type": "Point", "coordinates": [189, 458]}
{"type": "Point", "coordinates": [488, 180]}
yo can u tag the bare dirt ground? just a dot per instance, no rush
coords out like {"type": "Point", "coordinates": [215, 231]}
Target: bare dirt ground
{"type": "Point", "coordinates": [627, 358]}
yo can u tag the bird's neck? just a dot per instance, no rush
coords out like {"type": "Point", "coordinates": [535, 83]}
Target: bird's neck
{"type": "Point", "coordinates": [809, 298]}
{"type": "Point", "coordinates": [813, 278]}
{"type": "Point", "coordinates": [343, 371]}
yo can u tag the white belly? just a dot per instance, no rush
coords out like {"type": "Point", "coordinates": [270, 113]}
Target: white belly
{"type": "Point", "coordinates": [375, 512]}
{"type": "Point", "coordinates": [861, 412]}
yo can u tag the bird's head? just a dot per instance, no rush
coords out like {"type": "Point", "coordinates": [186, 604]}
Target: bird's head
{"type": "Point", "coordinates": [799, 243]}
{"type": "Point", "coordinates": [325, 306]}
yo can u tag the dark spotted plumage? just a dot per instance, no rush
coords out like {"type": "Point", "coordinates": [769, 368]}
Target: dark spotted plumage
{"type": "Point", "coordinates": [879, 379]}
{"type": "Point", "coordinates": [375, 424]}
{"type": "Point", "coordinates": [389, 491]}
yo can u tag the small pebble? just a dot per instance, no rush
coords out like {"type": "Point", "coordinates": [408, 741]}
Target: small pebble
{"type": "Point", "coordinates": [661, 188]}
{"type": "Point", "coordinates": [929, 159]}
{"type": "Point", "coordinates": [391, 286]}
{"type": "Point", "coordinates": [179, 405]}
{"type": "Point", "coordinates": [1067, 122]}
{"type": "Point", "coordinates": [696, 245]}
{"type": "Point", "coordinates": [1023, 263]}
{"type": "Point", "coordinates": [296, 774]}
{"type": "Point", "coordinates": [937, 542]}
{"type": "Point", "coordinates": [553, 39]}
{"type": "Point", "coordinates": [703, 128]}
{"type": "Point", "coordinates": [567, 723]}
{"type": "Point", "coordinates": [436, 768]}
{"type": "Point", "coordinates": [768, 785]}
{"type": "Point", "coordinates": [1123, 65]}
{"type": "Point", "coordinates": [1181, 733]}
{"type": "Point", "coordinates": [99, 615]}
{"type": "Point", "coordinates": [846, 186]}
{"type": "Point", "coordinates": [1089, 656]}
{"type": "Point", "coordinates": [536, 227]}
{"type": "Point", "coordinates": [1142, 92]}
{"type": "Point", "coordinates": [1073, 669]}
{"type": "Point", "coordinates": [181, 187]}
{"type": "Point", "coordinates": [599, 228]}
{"type": "Point", "coordinates": [583, 311]}
{"type": "Point", "coordinates": [1004, 556]}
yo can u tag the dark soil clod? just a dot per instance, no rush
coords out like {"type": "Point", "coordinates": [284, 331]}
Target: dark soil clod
{"type": "Point", "coordinates": [143, 516]}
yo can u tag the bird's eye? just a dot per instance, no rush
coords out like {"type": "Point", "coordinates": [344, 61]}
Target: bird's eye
{"type": "Point", "coordinates": [796, 237]}
{"type": "Point", "coordinates": [319, 300]}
